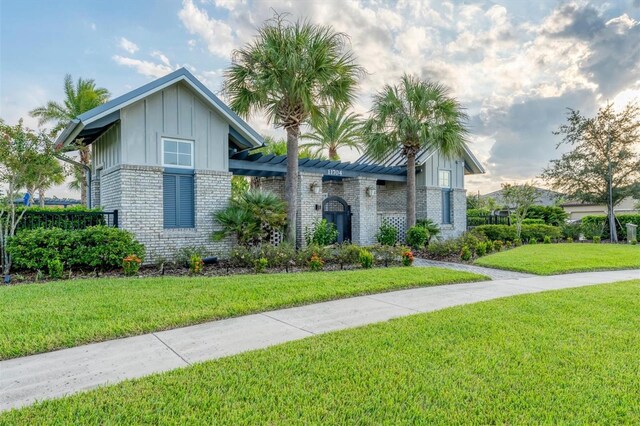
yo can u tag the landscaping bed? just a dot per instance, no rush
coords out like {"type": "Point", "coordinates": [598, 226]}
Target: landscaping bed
{"type": "Point", "coordinates": [44, 317]}
{"type": "Point", "coordinates": [550, 259]}
{"type": "Point", "coordinates": [561, 357]}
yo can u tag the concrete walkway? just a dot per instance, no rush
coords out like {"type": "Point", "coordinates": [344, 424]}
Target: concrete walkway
{"type": "Point", "coordinates": [54, 374]}
{"type": "Point", "coordinates": [495, 274]}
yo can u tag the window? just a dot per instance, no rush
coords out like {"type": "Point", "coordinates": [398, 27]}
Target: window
{"type": "Point", "coordinates": [444, 178]}
{"type": "Point", "coordinates": [178, 200]}
{"type": "Point", "coordinates": [177, 153]}
{"type": "Point", "coordinates": [446, 206]}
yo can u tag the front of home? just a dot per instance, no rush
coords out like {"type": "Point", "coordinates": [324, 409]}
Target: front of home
{"type": "Point", "coordinates": [164, 155]}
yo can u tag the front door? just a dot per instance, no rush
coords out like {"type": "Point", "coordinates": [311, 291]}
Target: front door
{"type": "Point", "coordinates": [335, 210]}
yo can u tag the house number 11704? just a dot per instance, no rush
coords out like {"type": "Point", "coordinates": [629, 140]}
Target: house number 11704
{"type": "Point", "coordinates": [334, 172]}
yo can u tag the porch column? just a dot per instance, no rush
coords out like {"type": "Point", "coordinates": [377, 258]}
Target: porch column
{"type": "Point", "coordinates": [360, 193]}
{"type": "Point", "coordinates": [309, 195]}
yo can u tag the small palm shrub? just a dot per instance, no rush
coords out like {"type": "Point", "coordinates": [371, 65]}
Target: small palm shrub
{"type": "Point", "coordinates": [547, 239]}
{"type": "Point", "coordinates": [417, 237]}
{"type": "Point", "coordinates": [323, 233]}
{"type": "Point", "coordinates": [465, 253]}
{"type": "Point", "coordinates": [433, 230]}
{"type": "Point", "coordinates": [481, 249]}
{"type": "Point", "coordinates": [366, 259]}
{"type": "Point", "coordinates": [260, 264]}
{"type": "Point", "coordinates": [55, 268]}
{"type": "Point", "coordinates": [387, 234]}
{"type": "Point", "coordinates": [497, 245]}
{"type": "Point", "coordinates": [533, 240]}
{"type": "Point", "coordinates": [596, 239]}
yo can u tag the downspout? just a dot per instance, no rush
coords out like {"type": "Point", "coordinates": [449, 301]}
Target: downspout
{"type": "Point", "coordinates": [86, 168]}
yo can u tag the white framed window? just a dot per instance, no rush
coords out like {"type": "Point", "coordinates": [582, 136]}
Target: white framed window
{"type": "Point", "coordinates": [177, 153]}
{"type": "Point", "coordinates": [444, 178]}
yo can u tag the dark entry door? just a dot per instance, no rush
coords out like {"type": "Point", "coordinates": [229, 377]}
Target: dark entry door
{"type": "Point", "coordinates": [335, 210]}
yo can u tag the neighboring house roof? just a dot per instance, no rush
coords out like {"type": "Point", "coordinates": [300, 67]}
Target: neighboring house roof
{"type": "Point", "coordinates": [397, 159]}
{"type": "Point", "coordinates": [93, 123]}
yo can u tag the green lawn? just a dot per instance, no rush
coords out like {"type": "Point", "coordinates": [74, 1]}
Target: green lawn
{"type": "Point", "coordinates": [43, 317]}
{"type": "Point", "coordinates": [561, 357]}
{"type": "Point", "coordinates": [549, 259]}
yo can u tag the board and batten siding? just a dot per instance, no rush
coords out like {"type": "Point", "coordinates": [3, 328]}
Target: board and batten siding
{"type": "Point", "coordinates": [106, 149]}
{"type": "Point", "coordinates": [429, 173]}
{"type": "Point", "coordinates": [175, 112]}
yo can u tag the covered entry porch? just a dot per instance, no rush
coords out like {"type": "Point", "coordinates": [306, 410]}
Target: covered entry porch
{"type": "Point", "coordinates": [342, 192]}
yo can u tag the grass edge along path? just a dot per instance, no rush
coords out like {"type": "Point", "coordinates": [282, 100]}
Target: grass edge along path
{"type": "Point", "coordinates": [551, 259]}
{"type": "Point", "coordinates": [36, 318]}
{"type": "Point", "coordinates": [557, 357]}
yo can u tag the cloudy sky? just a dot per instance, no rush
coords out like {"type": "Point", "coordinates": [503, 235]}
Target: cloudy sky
{"type": "Point", "coordinates": [515, 65]}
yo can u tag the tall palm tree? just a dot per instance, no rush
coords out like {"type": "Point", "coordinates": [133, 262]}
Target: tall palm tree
{"type": "Point", "coordinates": [333, 129]}
{"type": "Point", "coordinates": [410, 116]}
{"type": "Point", "coordinates": [78, 99]}
{"type": "Point", "coordinates": [290, 71]}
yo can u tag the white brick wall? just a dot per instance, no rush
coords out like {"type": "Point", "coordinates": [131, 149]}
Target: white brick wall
{"type": "Point", "coordinates": [363, 208]}
{"type": "Point", "coordinates": [136, 192]}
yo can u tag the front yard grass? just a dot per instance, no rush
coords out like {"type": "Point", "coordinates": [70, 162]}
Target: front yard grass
{"type": "Point", "coordinates": [43, 317]}
{"type": "Point", "coordinates": [560, 357]}
{"type": "Point", "coordinates": [549, 259]}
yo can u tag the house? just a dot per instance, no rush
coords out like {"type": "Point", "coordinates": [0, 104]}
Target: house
{"type": "Point", "coordinates": [546, 197]}
{"type": "Point", "coordinates": [577, 210]}
{"type": "Point", "coordinates": [164, 154]}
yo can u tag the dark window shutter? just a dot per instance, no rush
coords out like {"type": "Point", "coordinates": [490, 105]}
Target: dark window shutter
{"type": "Point", "coordinates": [170, 201]}
{"type": "Point", "coordinates": [446, 206]}
{"type": "Point", "coordinates": [186, 202]}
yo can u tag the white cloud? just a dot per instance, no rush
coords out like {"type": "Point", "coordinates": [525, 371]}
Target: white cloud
{"type": "Point", "coordinates": [147, 68]}
{"type": "Point", "coordinates": [162, 57]}
{"type": "Point", "coordinates": [216, 34]}
{"type": "Point", "coordinates": [128, 46]}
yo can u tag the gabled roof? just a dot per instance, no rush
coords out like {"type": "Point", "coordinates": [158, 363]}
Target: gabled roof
{"type": "Point", "coordinates": [94, 122]}
{"type": "Point", "coordinates": [396, 159]}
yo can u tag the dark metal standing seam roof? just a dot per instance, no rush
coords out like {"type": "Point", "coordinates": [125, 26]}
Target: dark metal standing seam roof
{"type": "Point", "coordinates": [258, 164]}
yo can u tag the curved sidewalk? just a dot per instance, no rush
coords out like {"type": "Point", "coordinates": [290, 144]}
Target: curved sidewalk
{"type": "Point", "coordinates": [54, 374]}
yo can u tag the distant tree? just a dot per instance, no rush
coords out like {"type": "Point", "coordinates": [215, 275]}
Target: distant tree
{"type": "Point", "coordinates": [26, 161]}
{"type": "Point", "coordinates": [335, 128]}
{"type": "Point", "coordinates": [410, 116]}
{"type": "Point", "coordinates": [290, 71]}
{"type": "Point", "coordinates": [519, 198]}
{"type": "Point", "coordinates": [78, 99]}
{"type": "Point", "coordinates": [603, 155]}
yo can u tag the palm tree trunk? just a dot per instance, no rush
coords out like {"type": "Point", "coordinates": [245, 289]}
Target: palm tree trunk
{"type": "Point", "coordinates": [291, 182]}
{"type": "Point", "coordinates": [41, 196]}
{"type": "Point", "coordinates": [411, 188]}
{"type": "Point", "coordinates": [85, 158]}
{"type": "Point", "coordinates": [333, 153]}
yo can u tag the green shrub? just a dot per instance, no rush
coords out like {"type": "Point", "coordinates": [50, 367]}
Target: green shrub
{"type": "Point", "coordinates": [443, 249]}
{"type": "Point", "coordinates": [496, 232]}
{"type": "Point", "coordinates": [481, 249]}
{"type": "Point", "coordinates": [241, 257]}
{"type": "Point", "coordinates": [490, 246]}
{"type": "Point", "coordinates": [366, 259]}
{"type": "Point", "coordinates": [407, 258]}
{"type": "Point", "coordinates": [72, 217]}
{"type": "Point", "coordinates": [417, 237]}
{"type": "Point", "coordinates": [538, 232]}
{"type": "Point", "coordinates": [304, 255]}
{"type": "Point", "coordinates": [322, 233]}
{"type": "Point", "coordinates": [533, 222]}
{"type": "Point", "coordinates": [316, 263]}
{"type": "Point", "coordinates": [465, 253]}
{"type": "Point", "coordinates": [131, 265]}
{"type": "Point", "coordinates": [387, 254]}
{"type": "Point", "coordinates": [571, 230]}
{"type": "Point", "coordinates": [569, 240]}
{"type": "Point", "coordinates": [533, 240]}
{"type": "Point", "coordinates": [347, 254]}
{"type": "Point", "coordinates": [96, 247]}
{"type": "Point", "coordinates": [547, 239]}
{"type": "Point", "coordinates": [387, 234]}
{"type": "Point", "coordinates": [633, 242]}
{"type": "Point", "coordinates": [517, 242]}
{"type": "Point", "coordinates": [280, 256]}
{"type": "Point", "coordinates": [478, 212]}
{"type": "Point", "coordinates": [55, 268]}
{"type": "Point", "coordinates": [497, 245]}
{"type": "Point", "coordinates": [183, 254]}
{"type": "Point", "coordinates": [550, 215]}
{"type": "Point", "coordinates": [260, 264]}
{"type": "Point", "coordinates": [196, 265]}
{"type": "Point", "coordinates": [432, 228]}
{"type": "Point", "coordinates": [621, 224]}
{"type": "Point", "coordinates": [596, 239]}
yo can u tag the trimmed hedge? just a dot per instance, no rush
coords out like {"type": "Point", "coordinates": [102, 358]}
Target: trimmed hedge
{"type": "Point", "coordinates": [508, 233]}
{"type": "Point", "coordinates": [621, 224]}
{"type": "Point", "coordinates": [96, 247]}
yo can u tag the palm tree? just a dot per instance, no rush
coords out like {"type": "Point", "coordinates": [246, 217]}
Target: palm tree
{"type": "Point", "coordinates": [410, 116]}
{"type": "Point", "coordinates": [290, 71]}
{"type": "Point", "coordinates": [335, 128]}
{"type": "Point", "coordinates": [79, 98]}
